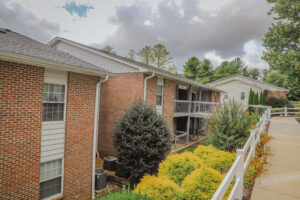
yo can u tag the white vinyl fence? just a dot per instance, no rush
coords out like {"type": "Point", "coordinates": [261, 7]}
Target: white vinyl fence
{"type": "Point", "coordinates": [240, 165]}
{"type": "Point", "coordinates": [285, 111]}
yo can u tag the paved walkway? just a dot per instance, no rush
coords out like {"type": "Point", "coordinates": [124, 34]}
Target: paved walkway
{"type": "Point", "coordinates": [282, 181]}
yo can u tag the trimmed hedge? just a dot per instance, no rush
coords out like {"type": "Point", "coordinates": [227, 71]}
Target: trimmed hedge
{"type": "Point", "coordinates": [159, 188]}
{"type": "Point", "coordinates": [177, 167]}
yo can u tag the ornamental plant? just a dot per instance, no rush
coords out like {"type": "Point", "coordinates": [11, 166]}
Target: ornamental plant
{"type": "Point", "coordinates": [126, 194]}
{"type": "Point", "coordinates": [202, 184]}
{"type": "Point", "coordinates": [177, 167]}
{"type": "Point", "coordinates": [228, 129]}
{"type": "Point", "coordinates": [159, 188]}
{"type": "Point", "coordinates": [142, 138]}
{"type": "Point", "coordinates": [214, 158]}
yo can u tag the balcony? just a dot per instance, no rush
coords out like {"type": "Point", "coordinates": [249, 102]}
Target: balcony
{"type": "Point", "coordinates": [194, 108]}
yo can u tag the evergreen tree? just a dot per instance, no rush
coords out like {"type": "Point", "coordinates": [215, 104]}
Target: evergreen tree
{"type": "Point", "coordinates": [160, 56]}
{"type": "Point", "coordinates": [191, 68]}
{"type": "Point", "coordinates": [250, 98]}
{"type": "Point", "coordinates": [145, 55]}
{"type": "Point", "coordinates": [142, 138]}
{"type": "Point", "coordinates": [255, 100]}
{"type": "Point", "coordinates": [205, 71]}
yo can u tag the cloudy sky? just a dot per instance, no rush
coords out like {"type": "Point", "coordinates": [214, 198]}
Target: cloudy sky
{"type": "Point", "coordinates": [215, 29]}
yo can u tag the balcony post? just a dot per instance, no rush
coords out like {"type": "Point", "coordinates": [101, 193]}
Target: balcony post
{"type": "Point", "coordinates": [189, 116]}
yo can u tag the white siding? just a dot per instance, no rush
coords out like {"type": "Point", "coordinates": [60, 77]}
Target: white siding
{"type": "Point", "coordinates": [95, 59]}
{"type": "Point", "coordinates": [235, 88]}
{"type": "Point", "coordinates": [53, 133]}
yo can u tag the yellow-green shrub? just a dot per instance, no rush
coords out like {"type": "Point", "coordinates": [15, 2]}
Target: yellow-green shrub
{"type": "Point", "coordinates": [159, 188]}
{"type": "Point", "coordinates": [177, 167]}
{"type": "Point", "coordinates": [214, 158]}
{"type": "Point", "coordinates": [202, 184]}
{"type": "Point", "coordinates": [203, 151]}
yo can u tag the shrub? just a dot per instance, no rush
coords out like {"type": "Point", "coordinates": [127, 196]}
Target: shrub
{"type": "Point", "coordinates": [202, 184]}
{"type": "Point", "coordinates": [126, 195]}
{"type": "Point", "coordinates": [279, 102]}
{"type": "Point", "coordinates": [214, 158]}
{"type": "Point", "coordinates": [159, 188]}
{"type": "Point", "coordinates": [142, 138]}
{"type": "Point", "coordinates": [177, 167]}
{"type": "Point", "coordinates": [229, 127]}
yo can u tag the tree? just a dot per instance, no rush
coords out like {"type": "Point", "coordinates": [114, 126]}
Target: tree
{"type": "Point", "coordinates": [205, 71]}
{"type": "Point", "coordinates": [254, 73]}
{"type": "Point", "coordinates": [142, 138]}
{"type": "Point", "coordinates": [160, 56]}
{"type": "Point", "coordinates": [277, 78]}
{"type": "Point", "coordinates": [251, 97]}
{"type": "Point", "coordinates": [109, 49]}
{"type": "Point", "coordinates": [173, 69]}
{"type": "Point", "coordinates": [282, 42]}
{"type": "Point", "coordinates": [131, 54]}
{"type": "Point", "coordinates": [145, 55]}
{"type": "Point", "coordinates": [255, 99]}
{"type": "Point", "coordinates": [228, 68]}
{"type": "Point", "coordinates": [191, 68]}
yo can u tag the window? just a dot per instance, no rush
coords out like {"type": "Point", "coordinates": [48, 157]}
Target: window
{"type": "Point", "coordinates": [242, 95]}
{"type": "Point", "coordinates": [159, 95]}
{"type": "Point", "coordinates": [53, 102]}
{"type": "Point", "coordinates": [226, 95]}
{"type": "Point", "coordinates": [50, 178]}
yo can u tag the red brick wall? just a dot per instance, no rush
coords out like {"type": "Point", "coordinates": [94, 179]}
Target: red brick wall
{"type": "Point", "coordinates": [277, 94]}
{"type": "Point", "coordinates": [21, 88]}
{"type": "Point", "coordinates": [117, 94]}
{"type": "Point", "coordinates": [151, 91]}
{"type": "Point", "coordinates": [168, 106]}
{"type": "Point", "coordinates": [79, 136]}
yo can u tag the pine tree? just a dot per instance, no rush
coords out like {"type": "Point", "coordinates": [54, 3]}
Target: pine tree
{"type": "Point", "coordinates": [142, 138]}
{"type": "Point", "coordinates": [255, 100]}
{"type": "Point", "coordinates": [261, 98]}
{"type": "Point", "coordinates": [250, 98]}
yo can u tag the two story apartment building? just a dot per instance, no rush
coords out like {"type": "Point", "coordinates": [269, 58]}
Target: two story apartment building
{"type": "Point", "coordinates": [184, 103]}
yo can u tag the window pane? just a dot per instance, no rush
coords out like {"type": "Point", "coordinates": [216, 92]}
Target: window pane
{"type": "Point", "coordinates": [50, 188]}
{"type": "Point", "coordinates": [159, 90]}
{"type": "Point", "coordinates": [158, 100]}
{"type": "Point", "coordinates": [56, 88]}
{"type": "Point", "coordinates": [62, 89]}
{"type": "Point", "coordinates": [51, 88]}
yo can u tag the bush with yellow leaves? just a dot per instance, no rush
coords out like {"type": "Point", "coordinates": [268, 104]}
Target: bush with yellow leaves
{"type": "Point", "coordinates": [202, 184]}
{"type": "Point", "coordinates": [159, 188]}
{"type": "Point", "coordinates": [214, 158]}
{"type": "Point", "coordinates": [177, 167]}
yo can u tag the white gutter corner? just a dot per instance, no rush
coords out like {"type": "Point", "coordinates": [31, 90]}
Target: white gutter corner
{"type": "Point", "coordinates": [95, 136]}
{"type": "Point", "coordinates": [145, 85]}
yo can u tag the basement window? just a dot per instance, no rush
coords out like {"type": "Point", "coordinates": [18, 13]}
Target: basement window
{"type": "Point", "coordinates": [53, 102]}
{"type": "Point", "coordinates": [51, 179]}
{"type": "Point", "coordinates": [242, 95]}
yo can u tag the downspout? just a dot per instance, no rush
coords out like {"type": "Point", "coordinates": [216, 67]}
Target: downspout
{"type": "Point", "coordinates": [145, 86]}
{"type": "Point", "coordinates": [95, 136]}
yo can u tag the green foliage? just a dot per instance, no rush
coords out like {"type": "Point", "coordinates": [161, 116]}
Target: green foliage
{"type": "Point", "coordinates": [279, 102]}
{"type": "Point", "coordinates": [125, 195]}
{"type": "Point", "coordinates": [228, 68]}
{"type": "Point", "coordinates": [159, 188]}
{"type": "Point", "coordinates": [282, 43]}
{"type": "Point", "coordinates": [202, 184]}
{"type": "Point", "coordinates": [177, 167]}
{"type": "Point", "coordinates": [160, 56]}
{"type": "Point", "coordinates": [205, 71]}
{"type": "Point", "coordinates": [145, 55]}
{"type": "Point", "coordinates": [251, 96]}
{"type": "Point", "coordinates": [254, 73]}
{"type": "Point", "coordinates": [191, 68]}
{"type": "Point", "coordinates": [142, 138]}
{"type": "Point", "coordinates": [228, 128]}
{"type": "Point", "coordinates": [274, 77]}
{"type": "Point", "coordinates": [131, 54]}
{"type": "Point", "coordinates": [214, 158]}
{"type": "Point", "coordinates": [109, 49]}
{"type": "Point", "coordinates": [255, 99]}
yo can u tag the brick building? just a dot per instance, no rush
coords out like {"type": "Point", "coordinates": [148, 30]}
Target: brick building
{"type": "Point", "coordinates": [48, 100]}
{"type": "Point", "coordinates": [184, 103]}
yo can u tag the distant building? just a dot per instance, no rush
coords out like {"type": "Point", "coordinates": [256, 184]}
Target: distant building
{"type": "Point", "coordinates": [237, 87]}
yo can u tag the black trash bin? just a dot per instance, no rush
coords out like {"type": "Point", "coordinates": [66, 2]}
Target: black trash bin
{"type": "Point", "coordinates": [100, 179]}
{"type": "Point", "coordinates": [121, 171]}
{"type": "Point", "coordinates": [110, 163]}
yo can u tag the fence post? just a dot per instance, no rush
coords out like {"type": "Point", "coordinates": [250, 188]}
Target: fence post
{"type": "Point", "coordinates": [252, 142]}
{"type": "Point", "coordinates": [240, 173]}
{"type": "Point", "coordinates": [285, 111]}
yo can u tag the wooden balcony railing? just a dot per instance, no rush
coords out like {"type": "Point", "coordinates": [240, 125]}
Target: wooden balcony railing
{"type": "Point", "coordinates": [183, 106]}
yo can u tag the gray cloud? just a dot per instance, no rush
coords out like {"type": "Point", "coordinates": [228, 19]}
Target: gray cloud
{"type": "Point", "coordinates": [187, 29]}
{"type": "Point", "coordinates": [15, 17]}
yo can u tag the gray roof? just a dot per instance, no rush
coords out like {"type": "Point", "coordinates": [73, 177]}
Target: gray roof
{"type": "Point", "coordinates": [146, 67]}
{"type": "Point", "coordinates": [15, 43]}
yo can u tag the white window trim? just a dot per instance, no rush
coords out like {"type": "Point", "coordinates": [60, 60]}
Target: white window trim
{"type": "Point", "coordinates": [62, 181]}
{"type": "Point", "coordinates": [160, 81]}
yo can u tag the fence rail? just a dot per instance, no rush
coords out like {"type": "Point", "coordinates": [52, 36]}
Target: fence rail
{"type": "Point", "coordinates": [182, 106]}
{"type": "Point", "coordinates": [285, 111]}
{"type": "Point", "coordinates": [241, 164]}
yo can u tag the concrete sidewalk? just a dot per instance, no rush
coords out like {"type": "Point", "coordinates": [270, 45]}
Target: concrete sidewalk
{"type": "Point", "coordinates": [282, 181]}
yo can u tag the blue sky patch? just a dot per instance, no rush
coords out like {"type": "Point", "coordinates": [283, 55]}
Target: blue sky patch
{"type": "Point", "coordinates": [80, 9]}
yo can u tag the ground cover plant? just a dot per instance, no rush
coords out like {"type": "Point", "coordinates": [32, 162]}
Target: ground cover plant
{"type": "Point", "coordinates": [142, 138]}
{"type": "Point", "coordinates": [125, 194]}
